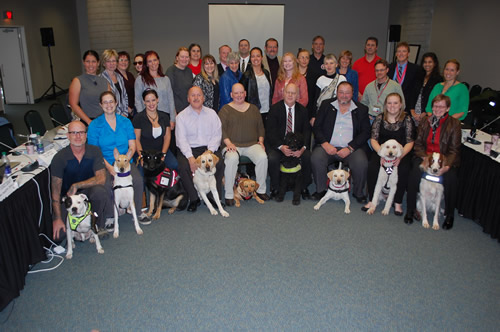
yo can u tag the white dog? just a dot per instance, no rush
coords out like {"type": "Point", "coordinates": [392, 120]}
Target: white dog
{"type": "Point", "coordinates": [204, 181]}
{"type": "Point", "coordinates": [431, 189]}
{"type": "Point", "coordinates": [80, 223]}
{"type": "Point", "coordinates": [338, 188]}
{"type": "Point", "coordinates": [123, 190]}
{"type": "Point", "coordinates": [387, 176]}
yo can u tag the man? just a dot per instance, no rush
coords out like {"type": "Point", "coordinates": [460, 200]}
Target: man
{"type": "Point", "coordinates": [341, 130]}
{"type": "Point", "coordinates": [244, 50]}
{"type": "Point", "coordinates": [198, 129]}
{"type": "Point", "coordinates": [280, 114]}
{"type": "Point", "coordinates": [377, 90]}
{"type": "Point", "coordinates": [316, 66]}
{"type": "Point", "coordinates": [365, 66]}
{"type": "Point", "coordinates": [224, 51]}
{"type": "Point", "coordinates": [79, 167]}
{"type": "Point", "coordinates": [408, 75]}
{"type": "Point", "coordinates": [271, 61]}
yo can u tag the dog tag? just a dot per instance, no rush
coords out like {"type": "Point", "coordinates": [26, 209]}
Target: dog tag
{"type": "Point", "coordinates": [164, 181]}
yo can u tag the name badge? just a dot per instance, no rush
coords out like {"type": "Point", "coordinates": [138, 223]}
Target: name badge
{"type": "Point", "coordinates": [377, 110]}
{"type": "Point", "coordinates": [165, 181]}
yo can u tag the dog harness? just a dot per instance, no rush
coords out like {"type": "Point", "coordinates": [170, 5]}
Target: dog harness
{"type": "Point", "coordinates": [122, 175]}
{"type": "Point", "coordinates": [388, 170]}
{"type": "Point", "coordinates": [168, 178]}
{"type": "Point", "coordinates": [75, 221]}
{"type": "Point", "coordinates": [290, 170]}
{"type": "Point", "coordinates": [339, 191]}
{"type": "Point", "coordinates": [432, 178]}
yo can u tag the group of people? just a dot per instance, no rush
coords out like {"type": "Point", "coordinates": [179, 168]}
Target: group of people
{"type": "Point", "coordinates": [246, 104]}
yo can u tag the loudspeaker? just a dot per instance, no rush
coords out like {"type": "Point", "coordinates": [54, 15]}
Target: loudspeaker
{"type": "Point", "coordinates": [47, 37]}
{"type": "Point", "coordinates": [394, 33]}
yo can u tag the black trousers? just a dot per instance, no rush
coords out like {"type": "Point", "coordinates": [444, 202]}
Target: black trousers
{"type": "Point", "coordinates": [273, 167]}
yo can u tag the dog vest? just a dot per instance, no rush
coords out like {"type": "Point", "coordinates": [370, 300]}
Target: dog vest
{"type": "Point", "coordinates": [167, 178]}
{"type": "Point", "coordinates": [75, 221]}
{"type": "Point", "coordinates": [290, 170]}
{"type": "Point", "coordinates": [386, 189]}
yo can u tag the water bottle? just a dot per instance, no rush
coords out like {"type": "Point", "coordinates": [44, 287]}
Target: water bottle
{"type": "Point", "coordinates": [39, 144]}
{"type": "Point", "coordinates": [6, 162]}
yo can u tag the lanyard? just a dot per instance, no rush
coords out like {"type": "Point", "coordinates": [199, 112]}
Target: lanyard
{"type": "Point", "coordinates": [401, 78]}
{"type": "Point", "coordinates": [382, 90]}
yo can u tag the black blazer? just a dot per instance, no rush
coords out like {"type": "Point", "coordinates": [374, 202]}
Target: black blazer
{"type": "Point", "coordinates": [325, 122]}
{"type": "Point", "coordinates": [411, 85]}
{"type": "Point", "coordinates": [220, 69]}
{"type": "Point", "coordinates": [426, 92]}
{"type": "Point", "coordinates": [276, 124]}
{"type": "Point", "coordinates": [249, 82]}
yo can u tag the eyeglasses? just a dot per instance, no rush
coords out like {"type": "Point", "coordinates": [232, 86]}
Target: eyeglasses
{"type": "Point", "coordinates": [77, 133]}
{"type": "Point", "coordinates": [137, 63]}
{"type": "Point", "coordinates": [123, 60]}
{"type": "Point", "coordinates": [106, 102]}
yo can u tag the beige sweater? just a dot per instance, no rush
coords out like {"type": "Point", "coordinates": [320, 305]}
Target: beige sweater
{"type": "Point", "coordinates": [242, 128]}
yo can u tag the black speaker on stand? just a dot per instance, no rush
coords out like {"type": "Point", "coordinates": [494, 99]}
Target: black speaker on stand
{"type": "Point", "coordinates": [48, 41]}
{"type": "Point", "coordinates": [394, 37]}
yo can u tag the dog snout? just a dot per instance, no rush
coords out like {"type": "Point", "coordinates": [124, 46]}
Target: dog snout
{"type": "Point", "coordinates": [74, 210]}
{"type": "Point", "coordinates": [122, 169]}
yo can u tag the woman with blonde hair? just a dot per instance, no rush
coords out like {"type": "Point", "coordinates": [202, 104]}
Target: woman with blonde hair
{"type": "Point", "coordinates": [208, 81]}
{"type": "Point", "coordinates": [289, 73]}
{"type": "Point", "coordinates": [116, 82]}
{"type": "Point", "coordinates": [345, 68]}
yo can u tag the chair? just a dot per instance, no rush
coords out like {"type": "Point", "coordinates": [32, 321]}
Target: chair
{"type": "Point", "coordinates": [467, 85]}
{"type": "Point", "coordinates": [7, 137]}
{"type": "Point", "coordinates": [475, 90]}
{"type": "Point", "coordinates": [58, 115]}
{"type": "Point", "coordinates": [34, 122]}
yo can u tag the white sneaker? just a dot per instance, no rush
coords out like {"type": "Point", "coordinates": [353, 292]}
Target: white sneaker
{"type": "Point", "coordinates": [144, 219]}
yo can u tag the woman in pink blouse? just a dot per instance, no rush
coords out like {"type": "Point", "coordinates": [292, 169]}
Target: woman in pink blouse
{"type": "Point", "coordinates": [289, 73]}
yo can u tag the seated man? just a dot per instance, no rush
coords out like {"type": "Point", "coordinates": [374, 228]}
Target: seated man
{"type": "Point", "coordinates": [242, 135]}
{"type": "Point", "coordinates": [341, 131]}
{"type": "Point", "coordinates": [79, 167]}
{"type": "Point", "coordinates": [288, 110]}
{"type": "Point", "coordinates": [198, 129]}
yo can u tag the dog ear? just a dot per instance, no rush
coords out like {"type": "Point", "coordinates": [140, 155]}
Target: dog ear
{"type": "Point", "coordinates": [116, 154]}
{"type": "Point", "coordinates": [444, 159]}
{"type": "Point", "coordinates": [330, 175]}
{"type": "Point", "coordinates": [129, 154]}
{"type": "Point", "coordinates": [198, 161]}
{"type": "Point", "coordinates": [241, 184]}
{"type": "Point", "coordinates": [84, 197]}
{"type": "Point", "coordinates": [256, 186]}
{"type": "Point", "coordinates": [215, 159]}
{"type": "Point", "coordinates": [347, 174]}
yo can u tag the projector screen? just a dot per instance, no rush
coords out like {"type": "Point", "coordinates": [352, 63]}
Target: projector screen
{"type": "Point", "coordinates": [228, 24]}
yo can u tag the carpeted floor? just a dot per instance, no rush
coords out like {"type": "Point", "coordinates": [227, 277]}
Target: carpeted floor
{"type": "Point", "coordinates": [270, 267]}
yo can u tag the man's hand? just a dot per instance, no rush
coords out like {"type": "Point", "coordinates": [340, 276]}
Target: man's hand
{"type": "Point", "coordinates": [298, 153]}
{"type": "Point", "coordinates": [57, 226]}
{"type": "Point", "coordinates": [192, 164]}
{"type": "Point", "coordinates": [172, 125]}
{"type": "Point", "coordinates": [443, 170]}
{"type": "Point", "coordinates": [343, 153]}
{"type": "Point", "coordinates": [286, 151]}
{"type": "Point", "coordinates": [230, 147]}
{"type": "Point", "coordinates": [72, 190]}
{"type": "Point", "coordinates": [329, 149]}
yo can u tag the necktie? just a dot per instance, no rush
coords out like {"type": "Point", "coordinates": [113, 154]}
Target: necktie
{"type": "Point", "coordinates": [289, 121]}
{"type": "Point", "coordinates": [243, 67]}
{"type": "Point", "coordinates": [400, 72]}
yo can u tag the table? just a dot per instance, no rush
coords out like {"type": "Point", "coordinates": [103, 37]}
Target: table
{"type": "Point", "coordinates": [479, 187]}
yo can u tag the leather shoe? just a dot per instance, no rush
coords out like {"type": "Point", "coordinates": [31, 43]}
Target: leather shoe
{"type": "Point", "coordinates": [263, 196]}
{"type": "Point", "coordinates": [305, 194]}
{"type": "Point", "coordinates": [448, 222]}
{"type": "Point", "coordinates": [229, 201]}
{"type": "Point", "coordinates": [296, 201]}
{"type": "Point", "coordinates": [398, 213]}
{"type": "Point", "coordinates": [274, 193]}
{"type": "Point", "coordinates": [408, 219]}
{"type": "Point", "coordinates": [318, 195]}
{"type": "Point", "coordinates": [360, 199]}
{"type": "Point", "coordinates": [193, 205]}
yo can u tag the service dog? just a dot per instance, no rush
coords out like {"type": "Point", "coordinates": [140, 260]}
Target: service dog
{"type": "Point", "coordinates": [204, 181]}
{"type": "Point", "coordinates": [338, 189]}
{"type": "Point", "coordinates": [244, 189]}
{"type": "Point", "coordinates": [165, 187]}
{"type": "Point", "coordinates": [291, 169]}
{"type": "Point", "coordinates": [387, 176]}
{"type": "Point", "coordinates": [80, 223]}
{"type": "Point", "coordinates": [431, 188]}
{"type": "Point", "coordinates": [123, 190]}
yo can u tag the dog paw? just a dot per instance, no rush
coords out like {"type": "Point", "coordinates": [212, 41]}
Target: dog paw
{"type": "Point", "coordinates": [347, 211]}
{"type": "Point", "coordinates": [116, 235]}
{"type": "Point", "coordinates": [92, 240]}
{"type": "Point", "coordinates": [69, 256]}
{"type": "Point", "coordinates": [139, 231]}
{"type": "Point", "coordinates": [224, 214]}
{"type": "Point", "coordinates": [385, 212]}
{"type": "Point", "coordinates": [213, 212]}
{"type": "Point", "coordinates": [317, 206]}
{"type": "Point", "coordinates": [435, 227]}
{"type": "Point", "coordinates": [171, 210]}
{"type": "Point", "coordinates": [73, 245]}
{"type": "Point", "coordinates": [100, 251]}
{"type": "Point", "coordinates": [157, 216]}
{"type": "Point", "coordinates": [425, 224]}
{"type": "Point", "coordinates": [371, 210]}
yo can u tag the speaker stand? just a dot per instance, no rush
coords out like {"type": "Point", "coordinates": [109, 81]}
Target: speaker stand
{"type": "Point", "coordinates": [53, 86]}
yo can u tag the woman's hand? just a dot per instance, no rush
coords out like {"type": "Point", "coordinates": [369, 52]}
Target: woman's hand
{"type": "Point", "coordinates": [172, 125]}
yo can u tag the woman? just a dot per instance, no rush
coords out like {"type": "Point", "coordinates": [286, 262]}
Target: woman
{"type": "Point", "coordinates": [289, 72]}
{"type": "Point", "coordinates": [326, 85]}
{"type": "Point", "coordinates": [152, 129]}
{"type": "Point", "coordinates": [139, 62]}
{"type": "Point", "coordinates": [447, 129]}
{"type": "Point", "coordinates": [181, 77]}
{"type": "Point", "coordinates": [229, 78]}
{"type": "Point", "coordinates": [303, 61]}
{"type": "Point", "coordinates": [393, 123]}
{"type": "Point", "coordinates": [152, 77]}
{"type": "Point", "coordinates": [257, 83]}
{"type": "Point", "coordinates": [108, 132]}
{"type": "Point", "coordinates": [345, 68]}
{"type": "Point", "coordinates": [451, 87]}
{"type": "Point", "coordinates": [194, 58]}
{"type": "Point", "coordinates": [208, 81]}
{"type": "Point", "coordinates": [128, 79]}
{"type": "Point", "coordinates": [85, 89]}
{"type": "Point", "coordinates": [430, 64]}
{"type": "Point", "coordinates": [110, 60]}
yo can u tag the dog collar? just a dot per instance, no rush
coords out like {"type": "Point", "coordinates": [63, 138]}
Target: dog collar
{"type": "Point", "coordinates": [167, 178]}
{"type": "Point", "coordinates": [75, 221]}
{"type": "Point", "coordinates": [122, 175]}
{"type": "Point", "coordinates": [338, 191]}
{"type": "Point", "coordinates": [432, 178]}
{"type": "Point", "coordinates": [121, 187]}
{"type": "Point", "coordinates": [291, 169]}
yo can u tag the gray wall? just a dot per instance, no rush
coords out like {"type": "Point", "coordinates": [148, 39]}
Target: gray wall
{"type": "Point", "coordinates": [61, 16]}
{"type": "Point", "coordinates": [166, 25]}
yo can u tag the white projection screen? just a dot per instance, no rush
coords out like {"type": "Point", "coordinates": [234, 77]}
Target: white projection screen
{"type": "Point", "coordinates": [228, 24]}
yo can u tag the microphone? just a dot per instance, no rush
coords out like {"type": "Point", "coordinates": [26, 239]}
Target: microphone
{"type": "Point", "coordinates": [58, 122]}
{"type": "Point", "coordinates": [7, 146]}
{"type": "Point", "coordinates": [486, 125]}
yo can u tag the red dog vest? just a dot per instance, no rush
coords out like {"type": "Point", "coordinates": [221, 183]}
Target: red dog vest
{"type": "Point", "coordinates": [167, 178]}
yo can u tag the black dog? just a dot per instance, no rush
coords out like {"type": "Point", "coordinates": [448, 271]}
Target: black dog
{"type": "Point", "coordinates": [291, 169]}
{"type": "Point", "coordinates": [165, 187]}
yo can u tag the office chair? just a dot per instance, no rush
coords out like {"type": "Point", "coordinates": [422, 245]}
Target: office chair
{"type": "Point", "coordinates": [475, 90]}
{"type": "Point", "coordinates": [34, 122]}
{"type": "Point", "coordinates": [58, 115]}
{"type": "Point", "coordinates": [7, 137]}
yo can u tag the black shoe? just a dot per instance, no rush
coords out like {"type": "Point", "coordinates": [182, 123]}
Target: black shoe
{"type": "Point", "coordinates": [448, 222]}
{"type": "Point", "coordinates": [398, 213]}
{"type": "Point", "coordinates": [296, 201]}
{"type": "Point", "coordinates": [417, 216]}
{"type": "Point", "coordinates": [193, 205]}
{"type": "Point", "coordinates": [360, 199]}
{"type": "Point", "coordinates": [305, 194]}
{"type": "Point", "coordinates": [364, 208]}
{"type": "Point", "coordinates": [274, 193]}
{"type": "Point", "coordinates": [229, 201]}
{"type": "Point", "coordinates": [317, 196]}
{"type": "Point", "coordinates": [279, 199]}
{"type": "Point", "coordinates": [408, 219]}
{"type": "Point", "coordinates": [263, 196]}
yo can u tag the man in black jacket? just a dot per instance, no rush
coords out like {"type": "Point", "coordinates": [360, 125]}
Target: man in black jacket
{"type": "Point", "coordinates": [341, 131]}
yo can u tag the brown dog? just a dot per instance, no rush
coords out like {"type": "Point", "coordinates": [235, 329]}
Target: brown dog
{"type": "Point", "coordinates": [245, 190]}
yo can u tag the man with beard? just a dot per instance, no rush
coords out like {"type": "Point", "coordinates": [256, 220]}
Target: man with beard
{"type": "Point", "coordinates": [271, 61]}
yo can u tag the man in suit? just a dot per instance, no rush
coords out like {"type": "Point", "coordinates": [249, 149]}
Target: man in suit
{"type": "Point", "coordinates": [271, 61]}
{"type": "Point", "coordinates": [275, 133]}
{"type": "Point", "coordinates": [244, 50]}
{"type": "Point", "coordinates": [224, 51]}
{"type": "Point", "coordinates": [408, 75]}
{"type": "Point", "coordinates": [341, 131]}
